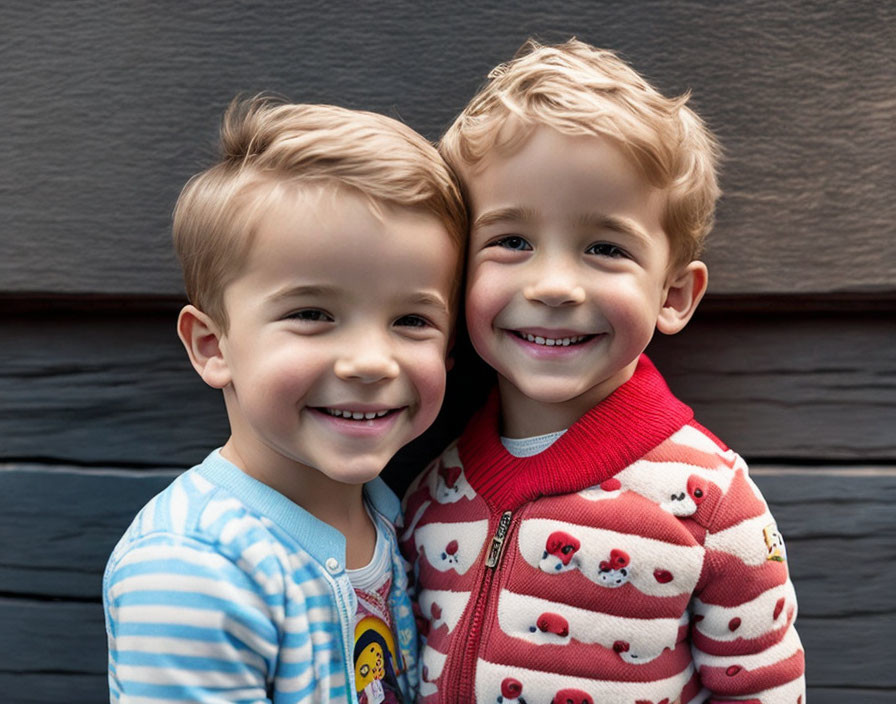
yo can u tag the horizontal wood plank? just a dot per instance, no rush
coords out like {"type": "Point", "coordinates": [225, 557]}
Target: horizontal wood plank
{"type": "Point", "coordinates": [60, 654]}
{"type": "Point", "coordinates": [866, 694]}
{"type": "Point", "coordinates": [52, 636]}
{"type": "Point", "coordinates": [108, 390]}
{"type": "Point", "coordinates": [850, 653]}
{"type": "Point", "coordinates": [53, 687]}
{"type": "Point", "coordinates": [60, 523]}
{"type": "Point", "coordinates": [108, 110]}
{"type": "Point", "coordinates": [118, 389]}
{"type": "Point", "coordinates": [840, 530]}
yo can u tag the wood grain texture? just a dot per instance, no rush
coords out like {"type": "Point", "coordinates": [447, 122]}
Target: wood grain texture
{"type": "Point", "coordinates": [837, 522]}
{"type": "Point", "coordinates": [811, 387]}
{"type": "Point", "coordinates": [65, 522]}
{"type": "Point", "coordinates": [118, 389]}
{"type": "Point", "coordinates": [108, 110]}
{"type": "Point", "coordinates": [97, 390]}
{"type": "Point", "coordinates": [49, 687]}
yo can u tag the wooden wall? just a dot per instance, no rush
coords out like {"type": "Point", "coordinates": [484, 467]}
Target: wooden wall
{"type": "Point", "coordinates": [108, 108]}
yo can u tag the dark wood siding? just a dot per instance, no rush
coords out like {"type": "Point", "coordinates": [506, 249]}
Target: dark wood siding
{"type": "Point", "coordinates": [108, 112]}
{"type": "Point", "coordinates": [107, 109]}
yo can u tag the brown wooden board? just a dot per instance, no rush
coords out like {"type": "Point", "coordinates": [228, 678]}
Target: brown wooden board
{"type": "Point", "coordinates": [109, 108]}
{"type": "Point", "coordinates": [58, 525]}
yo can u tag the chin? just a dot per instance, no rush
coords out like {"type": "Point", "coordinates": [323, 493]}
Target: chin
{"type": "Point", "coordinates": [354, 477]}
{"type": "Point", "coordinates": [553, 392]}
{"type": "Point", "coordinates": [358, 472]}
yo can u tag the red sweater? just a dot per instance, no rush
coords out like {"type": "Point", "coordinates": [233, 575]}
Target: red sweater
{"type": "Point", "coordinates": [631, 562]}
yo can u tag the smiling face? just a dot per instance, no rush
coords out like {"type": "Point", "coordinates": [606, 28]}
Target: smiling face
{"type": "Point", "coordinates": [334, 356]}
{"type": "Point", "coordinates": [568, 275]}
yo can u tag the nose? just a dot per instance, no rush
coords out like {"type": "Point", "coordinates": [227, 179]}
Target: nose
{"type": "Point", "coordinates": [555, 283]}
{"type": "Point", "coordinates": [368, 360]}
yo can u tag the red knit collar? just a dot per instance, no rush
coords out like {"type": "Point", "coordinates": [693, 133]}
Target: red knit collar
{"type": "Point", "coordinates": [626, 425]}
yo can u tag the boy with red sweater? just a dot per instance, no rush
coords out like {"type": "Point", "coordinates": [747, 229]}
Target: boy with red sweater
{"type": "Point", "coordinates": [586, 540]}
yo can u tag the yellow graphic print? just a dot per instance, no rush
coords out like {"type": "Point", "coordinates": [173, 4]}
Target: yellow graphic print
{"type": "Point", "coordinates": [775, 543]}
{"type": "Point", "coordinates": [377, 663]}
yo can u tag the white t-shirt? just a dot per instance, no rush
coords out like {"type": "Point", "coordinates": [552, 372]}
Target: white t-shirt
{"type": "Point", "coordinates": [527, 447]}
{"type": "Point", "coordinates": [377, 659]}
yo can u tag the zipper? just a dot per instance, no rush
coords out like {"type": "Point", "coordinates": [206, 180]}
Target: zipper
{"type": "Point", "coordinates": [497, 546]}
{"type": "Point", "coordinates": [466, 650]}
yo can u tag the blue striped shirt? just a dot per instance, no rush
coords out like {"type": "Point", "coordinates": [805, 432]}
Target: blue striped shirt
{"type": "Point", "coordinates": [224, 590]}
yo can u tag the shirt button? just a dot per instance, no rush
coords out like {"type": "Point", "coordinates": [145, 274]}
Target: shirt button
{"type": "Point", "coordinates": [332, 564]}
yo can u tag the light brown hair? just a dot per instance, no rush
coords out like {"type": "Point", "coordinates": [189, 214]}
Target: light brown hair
{"type": "Point", "coordinates": [578, 89]}
{"type": "Point", "coordinates": [266, 144]}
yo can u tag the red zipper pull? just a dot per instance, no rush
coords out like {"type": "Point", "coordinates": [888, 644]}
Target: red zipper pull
{"type": "Point", "coordinates": [497, 546]}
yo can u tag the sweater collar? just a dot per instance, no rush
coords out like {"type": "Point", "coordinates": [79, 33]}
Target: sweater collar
{"type": "Point", "coordinates": [319, 539]}
{"type": "Point", "coordinates": [622, 428]}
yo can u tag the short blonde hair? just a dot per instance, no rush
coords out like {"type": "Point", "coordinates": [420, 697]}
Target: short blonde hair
{"type": "Point", "coordinates": [265, 144]}
{"type": "Point", "coordinates": [578, 89]}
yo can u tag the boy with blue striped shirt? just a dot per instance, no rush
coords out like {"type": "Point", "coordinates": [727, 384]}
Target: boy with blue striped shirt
{"type": "Point", "coordinates": [321, 257]}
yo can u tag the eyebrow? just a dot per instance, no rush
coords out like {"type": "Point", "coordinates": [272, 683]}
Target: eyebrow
{"type": "Point", "coordinates": [504, 215]}
{"type": "Point", "coordinates": [301, 290]}
{"type": "Point", "coordinates": [598, 221]}
{"type": "Point", "coordinates": [422, 298]}
{"type": "Point", "coordinates": [430, 300]}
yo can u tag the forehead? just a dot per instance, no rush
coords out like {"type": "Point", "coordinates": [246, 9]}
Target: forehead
{"type": "Point", "coordinates": [554, 174]}
{"type": "Point", "coordinates": [337, 238]}
{"type": "Point", "coordinates": [547, 148]}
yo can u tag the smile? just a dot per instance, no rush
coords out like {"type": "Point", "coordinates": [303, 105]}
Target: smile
{"type": "Point", "coordinates": [356, 415]}
{"type": "Point", "coordinates": [551, 341]}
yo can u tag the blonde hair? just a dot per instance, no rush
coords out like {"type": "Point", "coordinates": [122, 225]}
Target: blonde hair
{"type": "Point", "coordinates": [266, 144]}
{"type": "Point", "coordinates": [578, 89]}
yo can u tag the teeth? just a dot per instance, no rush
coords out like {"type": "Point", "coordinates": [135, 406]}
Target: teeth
{"type": "Point", "coordinates": [356, 415]}
{"type": "Point", "coordinates": [552, 342]}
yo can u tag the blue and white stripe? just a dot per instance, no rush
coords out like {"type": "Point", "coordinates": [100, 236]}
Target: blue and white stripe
{"type": "Point", "coordinates": [223, 590]}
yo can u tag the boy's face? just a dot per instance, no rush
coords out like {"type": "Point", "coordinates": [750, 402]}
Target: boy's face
{"type": "Point", "coordinates": [339, 327]}
{"type": "Point", "coordinates": [567, 271]}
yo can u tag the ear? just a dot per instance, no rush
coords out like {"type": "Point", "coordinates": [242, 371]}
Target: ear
{"type": "Point", "coordinates": [202, 340]}
{"type": "Point", "coordinates": [684, 290]}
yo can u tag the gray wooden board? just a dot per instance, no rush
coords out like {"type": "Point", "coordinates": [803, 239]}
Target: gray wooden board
{"type": "Point", "coordinates": [109, 108]}
{"type": "Point", "coordinates": [118, 389]}
{"type": "Point", "coordinates": [840, 530]}
{"type": "Point", "coordinates": [59, 655]}
{"type": "Point", "coordinates": [58, 525]}
{"type": "Point", "coordinates": [852, 695]}
{"type": "Point", "coordinates": [52, 636]}
{"type": "Point", "coordinates": [855, 652]}
{"type": "Point", "coordinates": [53, 688]}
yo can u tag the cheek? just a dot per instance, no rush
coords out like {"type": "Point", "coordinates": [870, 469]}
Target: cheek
{"type": "Point", "coordinates": [486, 296]}
{"type": "Point", "coordinates": [283, 374]}
{"type": "Point", "coordinates": [633, 315]}
{"type": "Point", "coordinates": [427, 372]}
